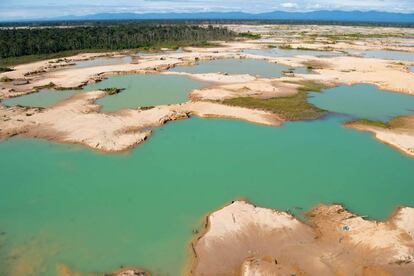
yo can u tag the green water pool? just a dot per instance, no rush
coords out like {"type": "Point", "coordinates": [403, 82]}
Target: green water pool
{"type": "Point", "coordinates": [144, 90]}
{"type": "Point", "coordinates": [363, 101]}
{"type": "Point", "coordinates": [43, 98]}
{"type": "Point", "coordinates": [97, 212]}
{"type": "Point", "coordinates": [252, 67]}
{"type": "Point", "coordinates": [64, 204]}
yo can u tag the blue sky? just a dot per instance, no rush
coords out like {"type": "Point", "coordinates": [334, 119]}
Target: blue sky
{"type": "Point", "coordinates": [23, 9]}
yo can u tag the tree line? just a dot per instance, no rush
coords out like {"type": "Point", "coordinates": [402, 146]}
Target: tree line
{"type": "Point", "coordinates": [15, 42]}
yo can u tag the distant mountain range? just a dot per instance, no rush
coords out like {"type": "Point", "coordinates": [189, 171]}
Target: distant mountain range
{"type": "Point", "coordinates": [355, 16]}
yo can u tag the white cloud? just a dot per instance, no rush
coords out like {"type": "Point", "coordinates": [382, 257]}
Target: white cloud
{"type": "Point", "coordinates": [289, 5]}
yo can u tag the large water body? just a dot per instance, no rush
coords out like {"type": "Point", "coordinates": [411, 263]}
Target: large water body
{"type": "Point", "coordinates": [64, 204]}
{"type": "Point", "coordinates": [252, 67]}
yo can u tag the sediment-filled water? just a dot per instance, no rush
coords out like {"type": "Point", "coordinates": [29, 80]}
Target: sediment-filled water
{"type": "Point", "coordinates": [65, 204]}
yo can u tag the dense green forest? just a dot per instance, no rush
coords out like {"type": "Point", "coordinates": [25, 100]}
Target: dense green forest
{"type": "Point", "coordinates": [15, 42]}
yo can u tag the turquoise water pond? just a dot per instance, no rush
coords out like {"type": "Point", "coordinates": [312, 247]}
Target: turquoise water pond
{"type": "Point", "coordinates": [144, 90]}
{"type": "Point", "coordinates": [252, 67]}
{"type": "Point", "coordinates": [43, 98]}
{"type": "Point", "coordinates": [364, 101]}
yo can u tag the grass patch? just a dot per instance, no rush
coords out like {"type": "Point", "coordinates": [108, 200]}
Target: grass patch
{"type": "Point", "coordinates": [291, 108]}
{"type": "Point", "coordinates": [311, 86]}
{"type": "Point", "coordinates": [5, 69]}
{"type": "Point", "coordinates": [113, 90]}
{"type": "Point", "coordinates": [314, 64]}
{"type": "Point", "coordinates": [250, 35]}
{"type": "Point", "coordinates": [370, 123]}
{"type": "Point", "coordinates": [50, 85]}
{"type": "Point", "coordinates": [6, 79]}
{"type": "Point", "coordinates": [356, 36]}
{"type": "Point", "coordinates": [397, 122]}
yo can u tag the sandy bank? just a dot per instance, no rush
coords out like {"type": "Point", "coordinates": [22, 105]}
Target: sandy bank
{"type": "Point", "coordinates": [78, 120]}
{"type": "Point", "coordinates": [386, 74]}
{"type": "Point", "coordinates": [400, 133]}
{"type": "Point", "coordinates": [260, 88]}
{"type": "Point", "coordinates": [216, 110]}
{"type": "Point", "coordinates": [43, 73]}
{"type": "Point", "coordinates": [214, 77]}
{"type": "Point", "coordinates": [241, 239]}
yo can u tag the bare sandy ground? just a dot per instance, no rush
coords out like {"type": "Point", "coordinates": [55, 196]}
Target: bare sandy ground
{"type": "Point", "coordinates": [124, 129]}
{"type": "Point", "coordinates": [77, 120]}
{"type": "Point", "coordinates": [241, 239]}
{"type": "Point", "coordinates": [386, 74]}
{"type": "Point", "coordinates": [260, 88]}
{"type": "Point", "coordinates": [399, 135]}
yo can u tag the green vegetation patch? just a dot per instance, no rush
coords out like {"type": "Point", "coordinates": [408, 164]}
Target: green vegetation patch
{"type": "Point", "coordinates": [250, 35]}
{"type": "Point", "coordinates": [113, 90]}
{"type": "Point", "coordinates": [30, 44]}
{"type": "Point", "coordinates": [311, 86]}
{"type": "Point", "coordinates": [5, 79]}
{"type": "Point", "coordinates": [291, 108]}
{"type": "Point", "coordinates": [314, 64]}
{"type": "Point", "coordinates": [5, 69]}
{"type": "Point", "coordinates": [370, 123]}
{"type": "Point", "coordinates": [50, 85]}
{"type": "Point", "coordinates": [397, 122]}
